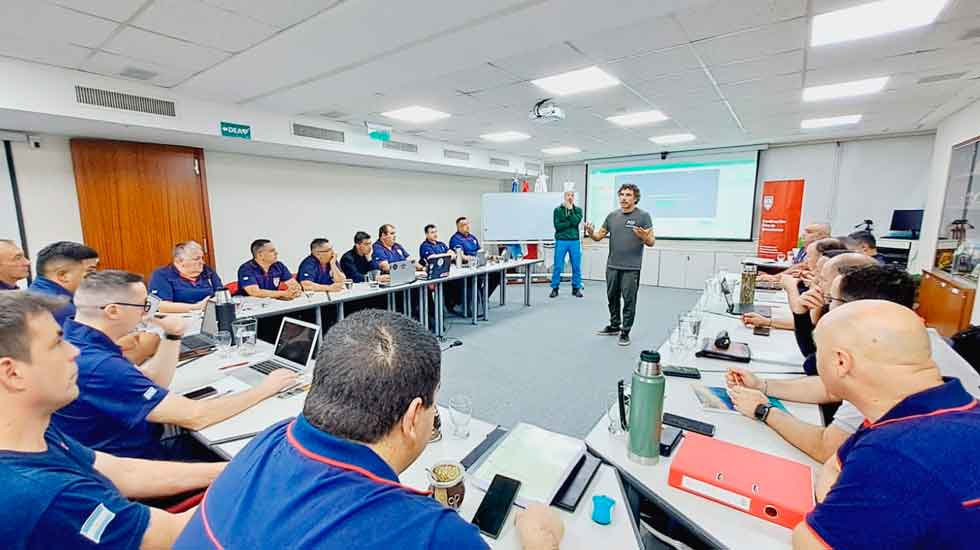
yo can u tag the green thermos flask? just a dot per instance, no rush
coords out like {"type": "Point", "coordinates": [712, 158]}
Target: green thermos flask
{"type": "Point", "coordinates": [646, 409]}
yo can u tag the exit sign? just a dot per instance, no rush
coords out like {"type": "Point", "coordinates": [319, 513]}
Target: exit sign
{"type": "Point", "coordinates": [233, 130]}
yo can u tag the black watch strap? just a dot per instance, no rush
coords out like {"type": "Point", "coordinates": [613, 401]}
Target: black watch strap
{"type": "Point", "coordinates": [174, 337]}
{"type": "Point", "coordinates": [762, 412]}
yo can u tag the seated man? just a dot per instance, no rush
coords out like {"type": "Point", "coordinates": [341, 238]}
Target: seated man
{"type": "Point", "coordinates": [122, 408]}
{"type": "Point", "coordinates": [865, 243]}
{"type": "Point", "coordinates": [386, 250]}
{"type": "Point", "coordinates": [329, 478]}
{"type": "Point", "coordinates": [60, 270]}
{"type": "Point", "coordinates": [14, 265]}
{"type": "Point", "coordinates": [56, 492]}
{"type": "Point", "coordinates": [811, 234]}
{"type": "Point", "coordinates": [469, 244]}
{"type": "Point", "coordinates": [186, 284]}
{"type": "Point", "coordinates": [432, 246]}
{"type": "Point", "coordinates": [357, 262]}
{"type": "Point", "coordinates": [262, 276]}
{"type": "Point", "coordinates": [748, 391]}
{"type": "Point", "coordinates": [319, 271]}
{"type": "Point", "coordinates": [910, 476]}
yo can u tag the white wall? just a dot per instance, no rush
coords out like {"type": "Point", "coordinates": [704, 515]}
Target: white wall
{"type": "Point", "coordinates": [46, 181]}
{"type": "Point", "coordinates": [291, 202]}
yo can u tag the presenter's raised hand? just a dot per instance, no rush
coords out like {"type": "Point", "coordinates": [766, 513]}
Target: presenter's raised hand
{"type": "Point", "coordinates": [589, 229]}
{"type": "Point", "coordinates": [645, 235]}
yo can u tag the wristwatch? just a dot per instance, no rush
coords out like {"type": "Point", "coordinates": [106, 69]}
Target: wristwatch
{"type": "Point", "coordinates": [762, 411]}
{"type": "Point", "coordinates": [174, 337]}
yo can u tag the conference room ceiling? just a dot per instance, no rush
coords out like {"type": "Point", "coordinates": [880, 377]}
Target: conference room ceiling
{"type": "Point", "coordinates": [730, 72]}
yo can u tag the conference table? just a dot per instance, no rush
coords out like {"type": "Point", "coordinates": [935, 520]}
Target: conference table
{"type": "Point", "coordinates": [316, 301]}
{"type": "Point", "coordinates": [229, 437]}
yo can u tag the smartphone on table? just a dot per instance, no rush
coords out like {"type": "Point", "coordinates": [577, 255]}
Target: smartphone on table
{"type": "Point", "coordinates": [492, 513]}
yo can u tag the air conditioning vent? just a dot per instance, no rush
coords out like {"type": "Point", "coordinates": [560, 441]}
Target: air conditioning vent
{"type": "Point", "coordinates": [532, 168]}
{"type": "Point", "coordinates": [499, 162]}
{"type": "Point", "coordinates": [940, 78]}
{"type": "Point", "coordinates": [126, 102]}
{"type": "Point", "coordinates": [455, 155]}
{"type": "Point", "coordinates": [400, 146]}
{"type": "Point", "coordinates": [313, 132]}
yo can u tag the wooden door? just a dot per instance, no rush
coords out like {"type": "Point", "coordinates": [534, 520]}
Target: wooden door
{"type": "Point", "coordinates": [943, 305]}
{"type": "Point", "coordinates": [137, 200]}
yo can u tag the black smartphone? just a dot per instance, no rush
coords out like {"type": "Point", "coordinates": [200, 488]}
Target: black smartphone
{"type": "Point", "coordinates": [761, 331]}
{"type": "Point", "coordinates": [683, 372]}
{"type": "Point", "coordinates": [201, 393]}
{"type": "Point", "coordinates": [496, 504]}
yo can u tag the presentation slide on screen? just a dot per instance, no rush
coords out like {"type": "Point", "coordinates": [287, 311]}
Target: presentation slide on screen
{"type": "Point", "coordinates": [694, 197]}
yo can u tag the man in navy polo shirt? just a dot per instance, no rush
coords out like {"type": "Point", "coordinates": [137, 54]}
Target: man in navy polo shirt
{"type": "Point", "coordinates": [386, 250]}
{"type": "Point", "coordinates": [910, 476]}
{"type": "Point", "coordinates": [187, 283]}
{"type": "Point", "coordinates": [329, 478]}
{"type": "Point", "coordinates": [60, 270]}
{"type": "Point", "coordinates": [319, 272]}
{"type": "Point", "coordinates": [470, 245]}
{"type": "Point", "coordinates": [14, 265]}
{"type": "Point", "coordinates": [122, 408]}
{"type": "Point", "coordinates": [56, 492]}
{"type": "Point", "coordinates": [261, 276]}
{"type": "Point", "coordinates": [432, 246]}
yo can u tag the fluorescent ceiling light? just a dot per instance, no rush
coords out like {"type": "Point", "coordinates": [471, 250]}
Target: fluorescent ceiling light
{"type": "Point", "coordinates": [671, 139]}
{"type": "Point", "coordinates": [561, 150]}
{"type": "Point", "coordinates": [573, 82]}
{"type": "Point", "coordinates": [501, 137]}
{"type": "Point", "coordinates": [416, 113]}
{"type": "Point", "coordinates": [637, 119]}
{"type": "Point", "coordinates": [845, 89]}
{"type": "Point", "coordinates": [812, 123]}
{"type": "Point", "coordinates": [873, 19]}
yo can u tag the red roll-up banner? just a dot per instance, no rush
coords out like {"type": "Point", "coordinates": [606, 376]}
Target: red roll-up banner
{"type": "Point", "coordinates": [779, 231]}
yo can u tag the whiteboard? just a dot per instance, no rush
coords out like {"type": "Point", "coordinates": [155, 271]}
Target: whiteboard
{"type": "Point", "coordinates": [511, 217]}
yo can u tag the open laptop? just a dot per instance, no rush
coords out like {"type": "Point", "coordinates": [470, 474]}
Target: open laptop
{"type": "Point", "coordinates": [206, 338]}
{"type": "Point", "coordinates": [293, 350]}
{"type": "Point", "coordinates": [742, 309]}
{"type": "Point", "coordinates": [481, 258]}
{"type": "Point", "coordinates": [401, 273]}
{"type": "Point", "coordinates": [437, 266]}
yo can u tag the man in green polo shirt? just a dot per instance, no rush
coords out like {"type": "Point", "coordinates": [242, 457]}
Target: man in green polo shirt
{"type": "Point", "coordinates": [567, 217]}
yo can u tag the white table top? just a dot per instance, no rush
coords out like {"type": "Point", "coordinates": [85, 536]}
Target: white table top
{"type": "Point", "coordinates": [727, 526]}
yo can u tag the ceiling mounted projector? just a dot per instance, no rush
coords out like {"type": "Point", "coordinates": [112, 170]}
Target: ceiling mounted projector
{"type": "Point", "coordinates": [545, 111]}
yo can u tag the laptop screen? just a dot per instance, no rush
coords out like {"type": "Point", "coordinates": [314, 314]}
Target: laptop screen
{"type": "Point", "coordinates": [209, 324]}
{"type": "Point", "coordinates": [295, 342]}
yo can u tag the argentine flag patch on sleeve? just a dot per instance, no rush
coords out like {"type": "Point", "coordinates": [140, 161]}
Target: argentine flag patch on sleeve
{"type": "Point", "coordinates": [96, 523]}
{"type": "Point", "coordinates": [149, 393]}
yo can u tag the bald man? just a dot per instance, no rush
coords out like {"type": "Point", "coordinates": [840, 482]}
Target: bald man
{"type": "Point", "coordinates": [750, 392]}
{"type": "Point", "coordinates": [811, 234]}
{"type": "Point", "coordinates": [910, 476]}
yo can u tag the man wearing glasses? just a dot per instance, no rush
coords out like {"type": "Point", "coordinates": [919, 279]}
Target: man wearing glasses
{"type": "Point", "coordinates": [319, 271]}
{"type": "Point", "coordinates": [186, 284]}
{"type": "Point", "coordinates": [121, 408]}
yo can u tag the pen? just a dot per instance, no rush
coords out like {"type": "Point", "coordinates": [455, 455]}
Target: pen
{"type": "Point", "coordinates": [233, 365]}
{"type": "Point", "coordinates": [234, 438]}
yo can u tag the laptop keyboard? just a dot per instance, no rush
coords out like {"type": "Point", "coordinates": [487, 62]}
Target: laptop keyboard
{"type": "Point", "coordinates": [265, 367]}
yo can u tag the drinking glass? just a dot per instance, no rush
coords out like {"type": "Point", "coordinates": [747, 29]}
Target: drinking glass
{"type": "Point", "coordinates": [612, 413]}
{"type": "Point", "coordinates": [222, 341]}
{"type": "Point", "coordinates": [245, 330]}
{"type": "Point", "coordinates": [460, 413]}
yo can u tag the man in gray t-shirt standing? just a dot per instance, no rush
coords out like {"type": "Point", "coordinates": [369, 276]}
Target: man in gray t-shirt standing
{"type": "Point", "coordinates": [629, 228]}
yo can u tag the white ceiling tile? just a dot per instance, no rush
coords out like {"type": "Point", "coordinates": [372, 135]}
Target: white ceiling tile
{"type": "Point", "coordinates": [764, 87]}
{"type": "Point", "coordinates": [276, 14]}
{"type": "Point", "coordinates": [755, 43]}
{"type": "Point", "coordinates": [725, 16]}
{"type": "Point", "coordinates": [555, 59]}
{"type": "Point", "coordinates": [117, 10]}
{"type": "Point", "coordinates": [673, 85]}
{"type": "Point", "coordinates": [163, 50]}
{"type": "Point", "coordinates": [201, 23]}
{"type": "Point", "coordinates": [112, 65]}
{"type": "Point", "coordinates": [637, 37]}
{"type": "Point", "coordinates": [522, 95]}
{"type": "Point", "coordinates": [780, 64]}
{"type": "Point", "coordinates": [481, 77]}
{"type": "Point", "coordinates": [868, 49]}
{"type": "Point", "coordinates": [46, 22]}
{"type": "Point", "coordinates": [652, 65]}
{"type": "Point", "coordinates": [48, 52]}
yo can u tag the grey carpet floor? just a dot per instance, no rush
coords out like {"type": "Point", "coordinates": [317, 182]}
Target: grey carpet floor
{"type": "Point", "coordinates": [545, 364]}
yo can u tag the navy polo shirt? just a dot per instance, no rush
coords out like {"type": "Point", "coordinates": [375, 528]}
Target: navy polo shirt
{"type": "Point", "coordinates": [57, 499]}
{"type": "Point", "coordinates": [168, 284]}
{"type": "Point", "coordinates": [250, 273]}
{"type": "Point", "coordinates": [428, 248]}
{"type": "Point", "coordinates": [310, 269]}
{"type": "Point", "coordinates": [114, 399]}
{"type": "Point", "coordinates": [355, 266]}
{"type": "Point", "coordinates": [5, 286]}
{"type": "Point", "coordinates": [43, 285]}
{"type": "Point", "coordinates": [470, 244]}
{"type": "Point", "coordinates": [396, 253]}
{"type": "Point", "coordinates": [297, 487]}
{"type": "Point", "coordinates": [910, 480]}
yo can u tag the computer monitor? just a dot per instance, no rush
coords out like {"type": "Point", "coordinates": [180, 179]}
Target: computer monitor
{"type": "Point", "coordinates": [907, 221]}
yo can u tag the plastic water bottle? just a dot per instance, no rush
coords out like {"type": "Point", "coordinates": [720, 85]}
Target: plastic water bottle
{"type": "Point", "coordinates": [646, 409]}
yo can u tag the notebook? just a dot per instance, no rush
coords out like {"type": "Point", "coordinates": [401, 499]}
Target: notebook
{"type": "Point", "coordinates": [715, 399]}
